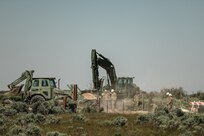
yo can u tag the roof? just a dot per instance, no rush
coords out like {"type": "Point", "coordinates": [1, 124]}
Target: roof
{"type": "Point", "coordinates": [44, 78]}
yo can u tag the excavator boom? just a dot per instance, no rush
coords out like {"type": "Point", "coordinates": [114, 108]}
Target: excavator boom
{"type": "Point", "coordinates": [27, 75]}
{"type": "Point", "coordinates": [105, 63]}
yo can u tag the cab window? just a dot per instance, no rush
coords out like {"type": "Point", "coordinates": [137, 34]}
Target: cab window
{"type": "Point", "coordinates": [35, 83]}
{"type": "Point", "coordinates": [52, 84]}
{"type": "Point", "coordinates": [44, 82]}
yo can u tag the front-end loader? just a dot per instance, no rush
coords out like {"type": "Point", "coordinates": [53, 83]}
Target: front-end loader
{"type": "Point", "coordinates": [38, 89]}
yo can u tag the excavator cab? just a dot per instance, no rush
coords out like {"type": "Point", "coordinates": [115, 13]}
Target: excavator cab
{"type": "Point", "coordinates": [126, 87]}
{"type": "Point", "coordinates": [124, 82]}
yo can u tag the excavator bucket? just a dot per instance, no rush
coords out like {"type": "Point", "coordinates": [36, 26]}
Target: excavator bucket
{"type": "Point", "coordinates": [16, 89]}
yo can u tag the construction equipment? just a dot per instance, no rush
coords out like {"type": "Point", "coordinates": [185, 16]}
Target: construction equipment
{"type": "Point", "coordinates": [36, 89]}
{"type": "Point", "coordinates": [124, 86]}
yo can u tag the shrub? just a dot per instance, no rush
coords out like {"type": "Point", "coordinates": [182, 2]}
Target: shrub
{"type": "Point", "coordinates": [2, 109]}
{"type": "Point", "coordinates": [2, 129]}
{"type": "Point", "coordinates": [52, 120]}
{"type": "Point", "coordinates": [55, 133]}
{"type": "Point", "coordinates": [57, 110]}
{"type": "Point", "coordinates": [161, 111]}
{"type": "Point", "coordinates": [41, 107]}
{"type": "Point", "coordinates": [30, 118]}
{"type": "Point", "coordinates": [23, 120]}
{"type": "Point", "coordinates": [118, 134]}
{"type": "Point", "coordinates": [188, 122]}
{"type": "Point", "coordinates": [107, 123]}
{"type": "Point", "coordinates": [179, 112]}
{"type": "Point", "coordinates": [2, 120]}
{"type": "Point", "coordinates": [2, 125]}
{"type": "Point", "coordinates": [32, 130]}
{"type": "Point", "coordinates": [143, 119]}
{"type": "Point", "coordinates": [118, 121]}
{"type": "Point", "coordinates": [16, 131]}
{"type": "Point", "coordinates": [78, 117]}
{"type": "Point", "coordinates": [186, 133]}
{"type": "Point", "coordinates": [89, 108]}
{"type": "Point", "coordinates": [9, 112]}
{"type": "Point", "coordinates": [20, 106]}
{"type": "Point", "coordinates": [16, 98]}
{"type": "Point", "coordinates": [162, 120]}
{"type": "Point", "coordinates": [39, 118]}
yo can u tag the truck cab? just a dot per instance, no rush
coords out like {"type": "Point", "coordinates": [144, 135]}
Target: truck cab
{"type": "Point", "coordinates": [44, 87]}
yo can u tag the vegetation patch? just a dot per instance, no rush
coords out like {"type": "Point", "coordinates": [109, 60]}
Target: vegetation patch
{"type": "Point", "coordinates": [174, 119]}
{"type": "Point", "coordinates": [55, 133]}
{"type": "Point", "coordinates": [79, 117]}
{"type": "Point", "coordinates": [117, 122]}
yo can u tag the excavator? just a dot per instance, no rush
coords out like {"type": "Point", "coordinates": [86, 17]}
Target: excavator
{"type": "Point", "coordinates": [124, 86]}
{"type": "Point", "coordinates": [38, 89]}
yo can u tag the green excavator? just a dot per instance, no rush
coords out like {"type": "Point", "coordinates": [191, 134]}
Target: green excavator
{"type": "Point", "coordinates": [124, 86]}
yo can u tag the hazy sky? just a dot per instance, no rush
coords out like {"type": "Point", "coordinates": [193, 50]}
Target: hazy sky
{"type": "Point", "coordinates": [159, 42]}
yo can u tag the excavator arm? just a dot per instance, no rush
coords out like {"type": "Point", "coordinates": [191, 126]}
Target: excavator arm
{"type": "Point", "coordinates": [105, 63]}
{"type": "Point", "coordinates": [27, 75]}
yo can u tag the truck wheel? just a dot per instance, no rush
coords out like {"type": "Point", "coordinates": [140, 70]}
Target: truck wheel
{"type": "Point", "coordinates": [37, 98]}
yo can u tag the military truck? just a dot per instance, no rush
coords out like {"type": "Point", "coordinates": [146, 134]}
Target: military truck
{"type": "Point", "coordinates": [124, 86]}
{"type": "Point", "coordinates": [38, 89]}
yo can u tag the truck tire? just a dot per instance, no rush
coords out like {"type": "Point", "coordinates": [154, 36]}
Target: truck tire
{"type": "Point", "coordinates": [37, 98]}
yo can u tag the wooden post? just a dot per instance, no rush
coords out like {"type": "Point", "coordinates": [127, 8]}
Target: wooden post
{"type": "Point", "coordinates": [75, 97]}
{"type": "Point", "coordinates": [107, 105]}
{"type": "Point", "coordinates": [142, 102]}
{"type": "Point", "coordinates": [123, 106]}
{"type": "Point", "coordinates": [75, 93]}
{"type": "Point", "coordinates": [64, 102]}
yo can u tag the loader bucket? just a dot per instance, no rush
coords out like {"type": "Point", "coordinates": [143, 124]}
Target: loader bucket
{"type": "Point", "coordinates": [16, 89]}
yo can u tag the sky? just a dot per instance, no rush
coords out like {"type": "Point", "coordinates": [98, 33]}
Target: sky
{"type": "Point", "coordinates": [159, 42]}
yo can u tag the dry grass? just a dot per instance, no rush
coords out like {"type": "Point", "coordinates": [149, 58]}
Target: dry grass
{"type": "Point", "coordinates": [94, 126]}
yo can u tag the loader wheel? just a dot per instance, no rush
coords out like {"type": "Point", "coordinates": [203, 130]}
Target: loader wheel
{"type": "Point", "coordinates": [37, 98]}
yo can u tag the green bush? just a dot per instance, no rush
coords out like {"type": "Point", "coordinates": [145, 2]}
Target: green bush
{"type": "Point", "coordinates": [118, 122]}
{"type": "Point", "coordinates": [107, 123]}
{"type": "Point", "coordinates": [15, 98]}
{"type": "Point", "coordinates": [16, 131]}
{"type": "Point", "coordinates": [32, 130]}
{"type": "Point", "coordinates": [52, 120]}
{"type": "Point", "coordinates": [30, 118]}
{"type": "Point", "coordinates": [57, 110]}
{"type": "Point", "coordinates": [2, 109]}
{"type": "Point", "coordinates": [39, 118]}
{"type": "Point", "coordinates": [186, 133]}
{"type": "Point", "coordinates": [89, 108]}
{"type": "Point", "coordinates": [162, 111]}
{"type": "Point", "coordinates": [2, 130]}
{"type": "Point", "coordinates": [2, 120]}
{"type": "Point", "coordinates": [78, 117]}
{"type": "Point", "coordinates": [179, 112]}
{"type": "Point", "coordinates": [118, 134]}
{"type": "Point", "coordinates": [41, 107]}
{"type": "Point", "coordinates": [143, 119]}
{"type": "Point", "coordinates": [162, 120]}
{"type": "Point", "coordinates": [55, 133]}
{"type": "Point", "coordinates": [9, 112]}
{"type": "Point", "coordinates": [20, 106]}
